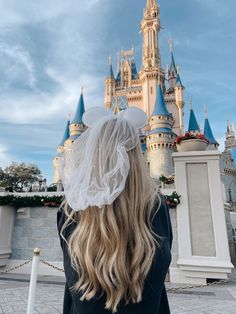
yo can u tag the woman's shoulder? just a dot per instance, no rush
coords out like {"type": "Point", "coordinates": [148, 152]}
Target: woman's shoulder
{"type": "Point", "coordinates": [161, 222]}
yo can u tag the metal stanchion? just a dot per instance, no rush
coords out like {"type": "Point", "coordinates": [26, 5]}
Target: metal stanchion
{"type": "Point", "coordinates": [33, 281]}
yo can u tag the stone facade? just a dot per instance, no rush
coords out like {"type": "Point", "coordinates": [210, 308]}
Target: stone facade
{"type": "Point", "coordinates": [36, 227]}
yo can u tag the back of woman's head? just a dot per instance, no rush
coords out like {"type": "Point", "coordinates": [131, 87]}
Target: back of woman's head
{"type": "Point", "coordinates": [113, 246]}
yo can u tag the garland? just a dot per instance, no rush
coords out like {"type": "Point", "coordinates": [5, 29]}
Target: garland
{"type": "Point", "coordinates": [167, 180]}
{"type": "Point", "coordinates": [31, 201]}
{"type": "Point", "coordinates": [190, 135]}
{"type": "Point", "coordinates": [173, 200]}
{"type": "Point", "coordinates": [55, 201]}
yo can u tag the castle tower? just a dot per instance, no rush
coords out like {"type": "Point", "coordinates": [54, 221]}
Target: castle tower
{"type": "Point", "coordinates": [174, 96]}
{"type": "Point", "coordinates": [60, 150]}
{"type": "Point", "coordinates": [150, 27]}
{"type": "Point", "coordinates": [160, 139]}
{"type": "Point", "coordinates": [151, 61]}
{"type": "Point", "coordinates": [73, 130]}
{"type": "Point", "coordinates": [179, 98]}
{"type": "Point", "coordinates": [230, 137]}
{"type": "Point", "coordinates": [213, 144]}
{"type": "Point", "coordinates": [109, 86]}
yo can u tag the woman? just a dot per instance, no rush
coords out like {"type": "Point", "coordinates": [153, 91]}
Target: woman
{"type": "Point", "coordinates": [114, 227]}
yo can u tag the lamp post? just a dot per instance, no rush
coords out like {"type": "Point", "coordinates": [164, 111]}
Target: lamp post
{"type": "Point", "coordinates": [45, 185]}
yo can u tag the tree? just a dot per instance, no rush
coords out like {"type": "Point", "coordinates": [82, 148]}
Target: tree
{"type": "Point", "coordinates": [1, 174]}
{"type": "Point", "coordinates": [18, 175]}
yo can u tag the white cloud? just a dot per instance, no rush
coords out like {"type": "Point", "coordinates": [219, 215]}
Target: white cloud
{"type": "Point", "coordinates": [41, 107]}
{"type": "Point", "coordinates": [19, 57]}
{"type": "Point", "coordinates": [5, 158]}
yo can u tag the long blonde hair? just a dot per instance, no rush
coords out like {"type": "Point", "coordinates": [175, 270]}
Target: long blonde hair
{"type": "Point", "coordinates": [112, 248]}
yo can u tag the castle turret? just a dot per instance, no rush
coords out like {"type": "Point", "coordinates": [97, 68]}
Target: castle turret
{"type": "Point", "coordinates": [193, 125]}
{"type": "Point", "coordinates": [213, 144]}
{"type": "Point", "coordinates": [151, 70]}
{"type": "Point", "coordinates": [172, 72]}
{"type": "Point", "coordinates": [76, 126]}
{"type": "Point", "coordinates": [109, 86]}
{"type": "Point", "coordinates": [230, 141]}
{"type": "Point", "coordinates": [179, 98]}
{"type": "Point", "coordinates": [150, 27]}
{"type": "Point", "coordinates": [60, 150]}
{"type": "Point", "coordinates": [160, 139]}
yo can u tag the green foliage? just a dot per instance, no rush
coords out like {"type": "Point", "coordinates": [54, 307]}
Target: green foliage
{"type": "Point", "coordinates": [173, 200]}
{"type": "Point", "coordinates": [18, 175]}
{"type": "Point", "coordinates": [31, 201]}
{"type": "Point", "coordinates": [54, 201]}
{"type": "Point", "coordinates": [52, 188]}
{"type": "Point", "coordinates": [166, 180]}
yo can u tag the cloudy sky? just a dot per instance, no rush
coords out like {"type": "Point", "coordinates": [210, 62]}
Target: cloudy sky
{"type": "Point", "coordinates": [50, 48]}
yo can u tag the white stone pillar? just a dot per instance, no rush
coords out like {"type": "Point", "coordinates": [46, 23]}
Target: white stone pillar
{"type": "Point", "coordinates": [203, 250]}
{"type": "Point", "coordinates": [7, 216]}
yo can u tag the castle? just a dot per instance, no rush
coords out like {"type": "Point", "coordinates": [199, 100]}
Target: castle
{"type": "Point", "coordinates": [160, 94]}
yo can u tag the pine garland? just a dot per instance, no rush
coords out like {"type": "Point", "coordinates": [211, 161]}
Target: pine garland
{"type": "Point", "coordinates": [55, 201]}
{"type": "Point", "coordinates": [31, 201]}
{"type": "Point", "coordinates": [173, 200]}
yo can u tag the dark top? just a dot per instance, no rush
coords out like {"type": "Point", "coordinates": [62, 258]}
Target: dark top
{"type": "Point", "coordinates": [154, 299]}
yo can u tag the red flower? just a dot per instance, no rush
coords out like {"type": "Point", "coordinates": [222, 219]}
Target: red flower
{"type": "Point", "coordinates": [190, 135]}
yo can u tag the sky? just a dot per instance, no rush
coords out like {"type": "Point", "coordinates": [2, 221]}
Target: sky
{"type": "Point", "coordinates": [50, 48]}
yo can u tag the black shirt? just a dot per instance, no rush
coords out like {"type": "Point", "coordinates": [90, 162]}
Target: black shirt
{"type": "Point", "coordinates": [154, 298]}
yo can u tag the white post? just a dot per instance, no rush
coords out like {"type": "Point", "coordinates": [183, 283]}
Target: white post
{"type": "Point", "coordinates": [33, 281]}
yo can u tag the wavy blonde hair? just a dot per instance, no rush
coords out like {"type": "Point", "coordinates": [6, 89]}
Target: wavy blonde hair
{"type": "Point", "coordinates": [112, 248]}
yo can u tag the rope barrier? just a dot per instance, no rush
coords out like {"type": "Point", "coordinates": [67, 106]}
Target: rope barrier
{"type": "Point", "coordinates": [15, 267]}
{"type": "Point", "coordinates": [215, 283]}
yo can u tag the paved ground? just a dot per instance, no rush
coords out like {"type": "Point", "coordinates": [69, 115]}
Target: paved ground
{"type": "Point", "coordinates": [207, 300]}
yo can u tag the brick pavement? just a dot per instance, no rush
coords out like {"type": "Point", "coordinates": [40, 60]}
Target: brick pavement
{"type": "Point", "coordinates": [207, 300]}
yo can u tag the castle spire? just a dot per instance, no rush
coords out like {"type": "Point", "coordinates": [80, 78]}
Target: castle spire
{"type": "Point", "coordinates": [193, 125]}
{"type": "Point", "coordinates": [160, 105]}
{"type": "Point", "coordinates": [208, 131]}
{"type": "Point", "coordinates": [79, 111]}
{"type": "Point", "coordinates": [150, 27]}
{"type": "Point", "coordinates": [110, 72]}
{"type": "Point", "coordinates": [66, 134]}
{"type": "Point", "coordinates": [172, 72]}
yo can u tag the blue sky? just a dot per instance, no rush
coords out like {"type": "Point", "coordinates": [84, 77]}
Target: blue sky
{"type": "Point", "coordinates": [50, 48]}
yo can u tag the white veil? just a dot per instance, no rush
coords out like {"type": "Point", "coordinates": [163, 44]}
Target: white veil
{"type": "Point", "coordinates": [94, 169]}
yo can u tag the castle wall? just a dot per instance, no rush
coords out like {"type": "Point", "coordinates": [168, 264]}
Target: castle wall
{"type": "Point", "coordinates": [36, 227]}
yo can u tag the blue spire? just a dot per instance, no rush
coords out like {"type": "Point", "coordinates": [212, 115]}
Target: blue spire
{"type": "Point", "coordinates": [160, 105]}
{"type": "Point", "coordinates": [79, 111]}
{"type": "Point", "coordinates": [66, 134]}
{"type": "Point", "coordinates": [118, 77]}
{"type": "Point", "coordinates": [134, 70]}
{"type": "Point", "coordinates": [172, 65]}
{"type": "Point", "coordinates": [193, 125]}
{"type": "Point", "coordinates": [178, 81]}
{"type": "Point", "coordinates": [208, 133]}
{"type": "Point", "coordinates": [110, 72]}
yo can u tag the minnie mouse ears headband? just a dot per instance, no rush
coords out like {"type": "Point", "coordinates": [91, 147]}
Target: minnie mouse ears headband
{"type": "Point", "coordinates": [135, 116]}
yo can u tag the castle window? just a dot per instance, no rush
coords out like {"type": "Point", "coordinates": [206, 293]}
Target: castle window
{"type": "Point", "coordinates": [151, 89]}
